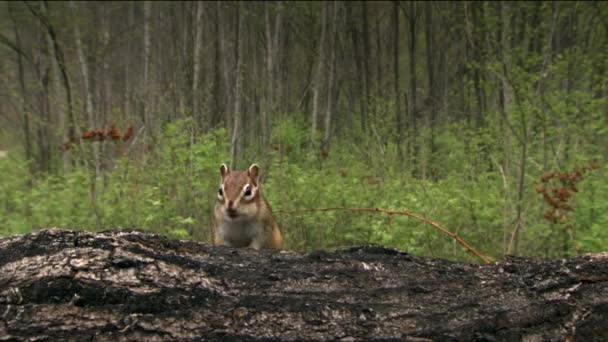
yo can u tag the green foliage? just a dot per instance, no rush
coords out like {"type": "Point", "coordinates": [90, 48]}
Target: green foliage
{"type": "Point", "coordinates": [171, 190]}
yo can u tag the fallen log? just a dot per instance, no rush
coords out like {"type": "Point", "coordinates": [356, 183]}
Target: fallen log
{"type": "Point", "coordinates": [129, 285]}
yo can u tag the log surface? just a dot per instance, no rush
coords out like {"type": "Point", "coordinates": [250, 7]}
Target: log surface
{"type": "Point", "coordinates": [129, 285]}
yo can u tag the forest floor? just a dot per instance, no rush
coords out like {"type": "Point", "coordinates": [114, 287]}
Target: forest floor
{"type": "Point", "coordinates": [129, 285]}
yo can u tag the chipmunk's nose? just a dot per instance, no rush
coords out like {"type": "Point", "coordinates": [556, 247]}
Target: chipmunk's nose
{"type": "Point", "coordinates": [231, 211]}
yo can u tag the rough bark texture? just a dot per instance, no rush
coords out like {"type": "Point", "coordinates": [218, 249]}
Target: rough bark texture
{"type": "Point", "coordinates": [126, 285]}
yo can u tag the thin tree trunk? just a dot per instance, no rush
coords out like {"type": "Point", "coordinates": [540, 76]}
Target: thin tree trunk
{"type": "Point", "coordinates": [236, 133]}
{"type": "Point", "coordinates": [84, 70]}
{"type": "Point", "coordinates": [272, 89]}
{"type": "Point", "coordinates": [478, 52]}
{"type": "Point", "coordinates": [432, 97]}
{"type": "Point", "coordinates": [217, 73]}
{"type": "Point", "coordinates": [317, 87]}
{"type": "Point", "coordinates": [198, 24]}
{"type": "Point", "coordinates": [107, 60]}
{"type": "Point", "coordinates": [269, 86]}
{"type": "Point", "coordinates": [413, 103]}
{"type": "Point", "coordinates": [379, 47]}
{"type": "Point", "coordinates": [503, 102]}
{"type": "Point", "coordinates": [59, 57]}
{"type": "Point", "coordinates": [146, 87]}
{"type": "Point", "coordinates": [359, 75]}
{"type": "Point", "coordinates": [127, 65]}
{"type": "Point", "coordinates": [228, 85]}
{"type": "Point", "coordinates": [332, 80]}
{"type": "Point", "coordinates": [25, 113]}
{"type": "Point", "coordinates": [56, 117]}
{"type": "Point", "coordinates": [397, 88]}
{"type": "Point", "coordinates": [519, 225]}
{"type": "Point", "coordinates": [366, 60]}
{"type": "Point", "coordinates": [42, 72]}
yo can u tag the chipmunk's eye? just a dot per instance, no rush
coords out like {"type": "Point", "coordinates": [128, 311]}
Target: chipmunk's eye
{"type": "Point", "coordinates": [220, 192]}
{"type": "Point", "coordinates": [248, 191]}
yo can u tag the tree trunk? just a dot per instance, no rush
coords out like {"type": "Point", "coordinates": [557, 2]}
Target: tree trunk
{"type": "Point", "coordinates": [59, 57]}
{"type": "Point", "coordinates": [331, 83]}
{"type": "Point", "coordinates": [238, 84]}
{"type": "Point", "coordinates": [504, 102]}
{"type": "Point", "coordinates": [366, 60]}
{"type": "Point", "coordinates": [478, 54]}
{"type": "Point", "coordinates": [432, 91]}
{"type": "Point", "coordinates": [413, 102]}
{"type": "Point", "coordinates": [397, 88]}
{"type": "Point", "coordinates": [318, 81]}
{"type": "Point", "coordinates": [198, 41]}
{"type": "Point", "coordinates": [127, 285]}
{"type": "Point", "coordinates": [269, 86]}
{"type": "Point", "coordinates": [127, 68]}
{"type": "Point", "coordinates": [218, 108]}
{"type": "Point", "coordinates": [358, 78]}
{"type": "Point", "coordinates": [228, 84]}
{"type": "Point", "coordinates": [379, 48]}
{"type": "Point", "coordinates": [84, 71]}
{"type": "Point", "coordinates": [146, 87]}
{"type": "Point", "coordinates": [27, 142]}
{"type": "Point", "coordinates": [273, 35]}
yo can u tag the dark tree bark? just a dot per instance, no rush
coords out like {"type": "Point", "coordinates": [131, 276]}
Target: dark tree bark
{"type": "Point", "coordinates": [119, 285]}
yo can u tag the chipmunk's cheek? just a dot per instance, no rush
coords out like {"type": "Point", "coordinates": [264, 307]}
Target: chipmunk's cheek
{"type": "Point", "coordinates": [248, 211]}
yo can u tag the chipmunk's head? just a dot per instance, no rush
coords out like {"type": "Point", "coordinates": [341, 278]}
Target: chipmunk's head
{"type": "Point", "coordinates": [239, 192]}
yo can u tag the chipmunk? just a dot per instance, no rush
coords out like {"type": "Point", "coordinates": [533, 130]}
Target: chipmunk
{"type": "Point", "coordinates": [243, 218]}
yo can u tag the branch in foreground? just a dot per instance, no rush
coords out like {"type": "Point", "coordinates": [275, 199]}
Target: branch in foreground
{"type": "Point", "coordinates": [399, 212]}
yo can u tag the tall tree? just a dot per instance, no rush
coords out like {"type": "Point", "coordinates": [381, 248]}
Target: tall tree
{"type": "Point", "coordinates": [359, 77]}
{"type": "Point", "coordinates": [24, 110]}
{"type": "Point", "coordinates": [238, 86]}
{"type": "Point", "coordinates": [411, 13]}
{"type": "Point", "coordinates": [273, 34]}
{"type": "Point", "coordinates": [147, 117]}
{"type": "Point", "coordinates": [59, 57]}
{"type": "Point", "coordinates": [217, 107]}
{"type": "Point", "coordinates": [88, 93]}
{"type": "Point", "coordinates": [318, 79]}
{"type": "Point", "coordinates": [331, 84]}
{"type": "Point", "coordinates": [397, 88]}
{"type": "Point", "coordinates": [196, 61]}
{"type": "Point", "coordinates": [366, 61]}
{"type": "Point", "coordinates": [432, 99]}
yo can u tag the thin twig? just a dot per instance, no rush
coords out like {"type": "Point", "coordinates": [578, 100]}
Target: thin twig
{"type": "Point", "coordinates": [398, 212]}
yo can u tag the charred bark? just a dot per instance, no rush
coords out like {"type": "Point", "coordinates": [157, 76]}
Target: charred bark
{"type": "Point", "coordinates": [128, 285]}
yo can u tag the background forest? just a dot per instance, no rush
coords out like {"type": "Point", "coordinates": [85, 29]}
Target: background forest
{"type": "Point", "coordinates": [489, 118]}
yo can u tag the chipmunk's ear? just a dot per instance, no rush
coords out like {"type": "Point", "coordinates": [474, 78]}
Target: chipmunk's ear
{"type": "Point", "coordinates": [224, 170]}
{"type": "Point", "coordinates": [253, 172]}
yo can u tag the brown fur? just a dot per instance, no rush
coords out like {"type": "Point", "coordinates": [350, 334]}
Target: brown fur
{"type": "Point", "coordinates": [252, 224]}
